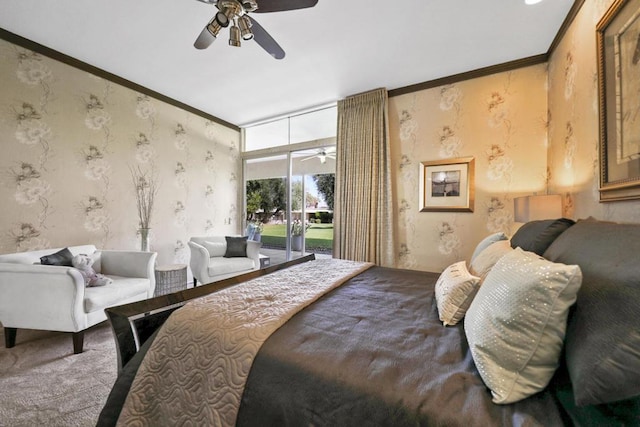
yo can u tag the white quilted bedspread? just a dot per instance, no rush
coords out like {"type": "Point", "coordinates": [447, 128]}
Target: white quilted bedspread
{"type": "Point", "coordinates": [195, 371]}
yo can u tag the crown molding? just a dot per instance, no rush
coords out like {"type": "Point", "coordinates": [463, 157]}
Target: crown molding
{"type": "Point", "coordinates": [507, 66]}
{"type": "Point", "coordinates": [73, 62]}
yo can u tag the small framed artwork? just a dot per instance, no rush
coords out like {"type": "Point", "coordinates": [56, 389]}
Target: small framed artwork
{"type": "Point", "coordinates": [447, 185]}
{"type": "Point", "coordinates": [618, 42]}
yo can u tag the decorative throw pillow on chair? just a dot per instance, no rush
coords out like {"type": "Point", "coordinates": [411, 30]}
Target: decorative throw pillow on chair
{"type": "Point", "coordinates": [236, 247]}
{"type": "Point", "coordinates": [83, 263]}
{"type": "Point", "coordinates": [63, 258]}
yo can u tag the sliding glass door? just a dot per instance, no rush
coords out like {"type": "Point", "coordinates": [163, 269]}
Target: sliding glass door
{"type": "Point", "coordinates": [289, 167]}
{"type": "Point", "coordinates": [289, 202]}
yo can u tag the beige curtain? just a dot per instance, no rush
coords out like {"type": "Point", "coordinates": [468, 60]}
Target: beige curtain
{"type": "Point", "coordinates": [363, 209]}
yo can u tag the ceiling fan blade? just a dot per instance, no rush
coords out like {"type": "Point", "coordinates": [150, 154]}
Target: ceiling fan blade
{"type": "Point", "coordinates": [265, 6]}
{"type": "Point", "coordinates": [308, 158]}
{"type": "Point", "coordinates": [267, 42]}
{"type": "Point", "coordinates": [204, 40]}
{"type": "Point", "coordinates": [330, 150]}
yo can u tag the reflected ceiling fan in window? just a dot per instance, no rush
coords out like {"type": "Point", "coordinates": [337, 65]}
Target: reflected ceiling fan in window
{"type": "Point", "coordinates": [243, 26]}
{"type": "Point", "coordinates": [323, 154]}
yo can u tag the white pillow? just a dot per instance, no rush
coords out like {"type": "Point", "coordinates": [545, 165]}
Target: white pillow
{"type": "Point", "coordinates": [516, 324]}
{"type": "Point", "coordinates": [484, 262]}
{"type": "Point", "coordinates": [215, 248]}
{"type": "Point", "coordinates": [455, 290]}
{"type": "Point", "coordinates": [97, 261]}
{"type": "Point", "coordinates": [484, 243]}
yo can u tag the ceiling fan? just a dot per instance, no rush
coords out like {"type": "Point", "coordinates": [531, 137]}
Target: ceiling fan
{"type": "Point", "coordinates": [236, 14]}
{"type": "Point", "coordinates": [323, 154]}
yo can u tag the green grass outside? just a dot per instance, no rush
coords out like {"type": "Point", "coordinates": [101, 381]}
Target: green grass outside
{"type": "Point", "coordinates": [317, 237]}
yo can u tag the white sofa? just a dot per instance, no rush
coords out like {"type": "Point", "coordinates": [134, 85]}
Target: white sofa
{"type": "Point", "coordinates": [54, 298]}
{"type": "Point", "coordinates": [208, 263]}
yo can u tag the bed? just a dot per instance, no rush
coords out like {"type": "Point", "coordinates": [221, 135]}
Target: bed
{"type": "Point", "coordinates": [373, 350]}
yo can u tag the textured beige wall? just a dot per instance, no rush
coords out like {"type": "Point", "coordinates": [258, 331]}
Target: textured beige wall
{"type": "Point", "coordinates": [500, 120]}
{"type": "Point", "coordinates": [68, 139]}
{"type": "Point", "coordinates": [573, 125]}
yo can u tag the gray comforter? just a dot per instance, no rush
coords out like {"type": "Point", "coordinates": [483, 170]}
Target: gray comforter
{"type": "Point", "coordinates": [373, 352]}
{"type": "Point", "coordinates": [369, 353]}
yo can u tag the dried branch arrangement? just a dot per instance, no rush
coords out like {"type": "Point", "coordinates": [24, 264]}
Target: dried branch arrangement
{"type": "Point", "coordinates": [146, 188]}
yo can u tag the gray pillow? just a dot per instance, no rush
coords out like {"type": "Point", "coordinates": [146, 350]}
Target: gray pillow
{"type": "Point", "coordinates": [62, 257]}
{"type": "Point", "coordinates": [536, 236]}
{"type": "Point", "coordinates": [603, 333]}
{"type": "Point", "coordinates": [516, 323]}
{"type": "Point", "coordinates": [236, 247]}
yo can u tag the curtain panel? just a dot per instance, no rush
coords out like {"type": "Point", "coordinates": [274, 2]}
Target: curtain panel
{"type": "Point", "coordinates": [363, 215]}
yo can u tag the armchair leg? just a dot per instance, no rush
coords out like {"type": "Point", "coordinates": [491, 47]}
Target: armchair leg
{"type": "Point", "coordinates": [195, 282]}
{"type": "Point", "coordinates": [78, 342]}
{"type": "Point", "coordinates": [10, 337]}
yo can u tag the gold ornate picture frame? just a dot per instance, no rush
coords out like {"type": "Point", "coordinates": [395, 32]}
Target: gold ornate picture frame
{"type": "Point", "coordinates": [618, 42]}
{"type": "Point", "coordinates": [447, 185]}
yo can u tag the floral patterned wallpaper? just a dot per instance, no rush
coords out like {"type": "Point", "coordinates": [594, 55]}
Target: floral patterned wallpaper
{"type": "Point", "coordinates": [501, 121]}
{"type": "Point", "coordinates": [530, 131]}
{"type": "Point", "coordinates": [69, 140]}
{"type": "Point", "coordinates": [573, 126]}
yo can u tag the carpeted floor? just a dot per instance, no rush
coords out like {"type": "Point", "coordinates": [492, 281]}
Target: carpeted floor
{"type": "Point", "coordinates": [42, 383]}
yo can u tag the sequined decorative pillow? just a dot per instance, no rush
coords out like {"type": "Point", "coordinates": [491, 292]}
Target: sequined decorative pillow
{"type": "Point", "coordinates": [516, 324]}
{"type": "Point", "coordinates": [482, 264]}
{"type": "Point", "coordinates": [484, 243]}
{"type": "Point", "coordinates": [455, 290]}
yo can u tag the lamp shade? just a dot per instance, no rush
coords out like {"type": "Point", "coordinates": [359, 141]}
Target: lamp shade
{"type": "Point", "coordinates": [533, 208]}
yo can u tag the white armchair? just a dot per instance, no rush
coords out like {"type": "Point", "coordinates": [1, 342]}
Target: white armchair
{"type": "Point", "coordinates": [209, 264]}
{"type": "Point", "coordinates": [54, 298]}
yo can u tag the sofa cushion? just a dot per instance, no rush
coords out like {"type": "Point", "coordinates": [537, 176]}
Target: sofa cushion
{"type": "Point", "coordinates": [219, 266]}
{"type": "Point", "coordinates": [97, 261]}
{"type": "Point", "coordinates": [236, 247]}
{"type": "Point", "coordinates": [101, 297]}
{"type": "Point", "coordinates": [63, 257]}
{"type": "Point", "coordinates": [215, 248]}
{"type": "Point", "coordinates": [603, 333]}
{"type": "Point", "coordinates": [536, 236]}
{"type": "Point", "coordinates": [516, 324]}
{"type": "Point", "coordinates": [33, 257]}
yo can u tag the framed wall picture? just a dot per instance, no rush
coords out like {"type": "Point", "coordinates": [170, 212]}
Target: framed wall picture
{"type": "Point", "coordinates": [447, 185]}
{"type": "Point", "coordinates": [618, 41]}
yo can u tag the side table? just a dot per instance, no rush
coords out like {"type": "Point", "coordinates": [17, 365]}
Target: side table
{"type": "Point", "coordinates": [170, 278]}
{"type": "Point", "coordinates": [265, 261]}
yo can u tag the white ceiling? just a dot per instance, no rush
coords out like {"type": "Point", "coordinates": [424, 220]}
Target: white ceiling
{"type": "Point", "coordinates": [336, 49]}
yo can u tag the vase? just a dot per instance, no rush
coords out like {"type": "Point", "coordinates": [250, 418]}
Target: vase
{"type": "Point", "coordinates": [296, 243]}
{"type": "Point", "coordinates": [144, 239]}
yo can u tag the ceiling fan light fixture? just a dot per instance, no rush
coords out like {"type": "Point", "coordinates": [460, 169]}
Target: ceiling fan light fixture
{"type": "Point", "coordinates": [234, 36]}
{"type": "Point", "coordinates": [222, 19]}
{"type": "Point", "coordinates": [245, 27]}
{"type": "Point", "coordinates": [214, 28]}
{"type": "Point", "coordinates": [249, 5]}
